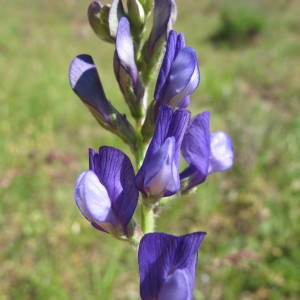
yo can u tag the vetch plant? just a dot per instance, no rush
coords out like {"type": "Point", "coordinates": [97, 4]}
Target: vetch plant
{"type": "Point", "coordinates": [110, 191]}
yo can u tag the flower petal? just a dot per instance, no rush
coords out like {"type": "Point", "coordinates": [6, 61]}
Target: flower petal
{"type": "Point", "coordinates": [221, 152]}
{"type": "Point", "coordinates": [177, 128]}
{"type": "Point", "coordinates": [85, 82]}
{"type": "Point", "coordinates": [174, 44]}
{"type": "Point", "coordinates": [160, 255]}
{"type": "Point", "coordinates": [162, 177]}
{"type": "Point", "coordinates": [159, 137]}
{"type": "Point", "coordinates": [176, 286]}
{"type": "Point", "coordinates": [116, 12]}
{"type": "Point", "coordinates": [185, 102]}
{"type": "Point", "coordinates": [93, 201]}
{"type": "Point", "coordinates": [125, 51]}
{"type": "Point", "coordinates": [161, 130]}
{"type": "Point", "coordinates": [195, 146]}
{"type": "Point", "coordinates": [184, 77]}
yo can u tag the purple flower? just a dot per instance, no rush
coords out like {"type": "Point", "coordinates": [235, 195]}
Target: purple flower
{"type": "Point", "coordinates": [85, 82]}
{"type": "Point", "coordinates": [158, 175]}
{"type": "Point", "coordinates": [125, 68]}
{"type": "Point", "coordinates": [167, 265]}
{"type": "Point", "coordinates": [179, 75]}
{"type": "Point", "coordinates": [106, 194]}
{"type": "Point", "coordinates": [204, 152]}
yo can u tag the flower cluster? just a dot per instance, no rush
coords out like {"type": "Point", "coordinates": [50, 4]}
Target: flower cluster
{"type": "Point", "coordinates": [108, 193]}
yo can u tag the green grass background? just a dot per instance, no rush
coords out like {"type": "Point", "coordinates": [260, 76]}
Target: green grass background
{"type": "Point", "coordinates": [249, 82]}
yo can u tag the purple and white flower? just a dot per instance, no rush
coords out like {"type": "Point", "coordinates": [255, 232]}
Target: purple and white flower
{"type": "Point", "coordinates": [158, 175]}
{"type": "Point", "coordinates": [179, 74]}
{"type": "Point", "coordinates": [204, 152]}
{"type": "Point", "coordinates": [105, 194]}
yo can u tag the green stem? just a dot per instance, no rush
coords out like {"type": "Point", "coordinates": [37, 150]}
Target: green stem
{"type": "Point", "coordinates": [148, 219]}
{"type": "Point", "coordinates": [140, 149]}
{"type": "Point", "coordinates": [147, 214]}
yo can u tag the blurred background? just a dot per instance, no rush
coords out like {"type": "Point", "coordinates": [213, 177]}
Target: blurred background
{"type": "Point", "coordinates": [249, 54]}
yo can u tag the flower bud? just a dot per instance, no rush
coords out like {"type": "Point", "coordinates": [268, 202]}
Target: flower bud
{"type": "Point", "coordinates": [136, 16]}
{"type": "Point", "coordinates": [126, 70]}
{"type": "Point", "coordinates": [179, 74]}
{"type": "Point", "coordinates": [85, 82]}
{"type": "Point", "coordinates": [164, 16]}
{"type": "Point", "coordinates": [147, 6]}
{"type": "Point", "coordinates": [98, 18]}
{"type": "Point", "coordinates": [116, 12]}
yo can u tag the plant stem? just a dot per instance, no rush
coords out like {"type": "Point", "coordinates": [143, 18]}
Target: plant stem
{"type": "Point", "coordinates": [147, 214]}
{"type": "Point", "coordinates": [148, 219]}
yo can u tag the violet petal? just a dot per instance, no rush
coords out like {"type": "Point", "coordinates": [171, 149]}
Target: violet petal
{"type": "Point", "coordinates": [162, 177]}
{"type": "Point", "coordinates": [195, 146]}
{"type": "Point", "coordinates": [85, 82]}
{"type": "Point", "coordinates": [125, 50]}
{"type": "Point", "coordinates": [169, 124]}
{"type": "Point", "coordinates": [183, 78]}
{"type": "Point", "coordinates": [93, 201]}
{"type": "Point", "coordinates": [160, 255]}
{"type": "Point", "coordinates": [221, 152]}
{"type": "Point", "coordinates": [176, 286]}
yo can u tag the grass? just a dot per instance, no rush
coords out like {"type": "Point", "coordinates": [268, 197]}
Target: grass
{"type": "Point", "coordinates": [251, 213]}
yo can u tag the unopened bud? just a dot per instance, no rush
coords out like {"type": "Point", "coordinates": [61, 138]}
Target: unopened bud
{"type": "Point", "coordinates": [136, 17]}
{"type": "Point", "coordinates": [98, 18]}
{"type": "Point", "coordinates": [147, 6]}
{"type": "Point", "coordinates": [116, 12]}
